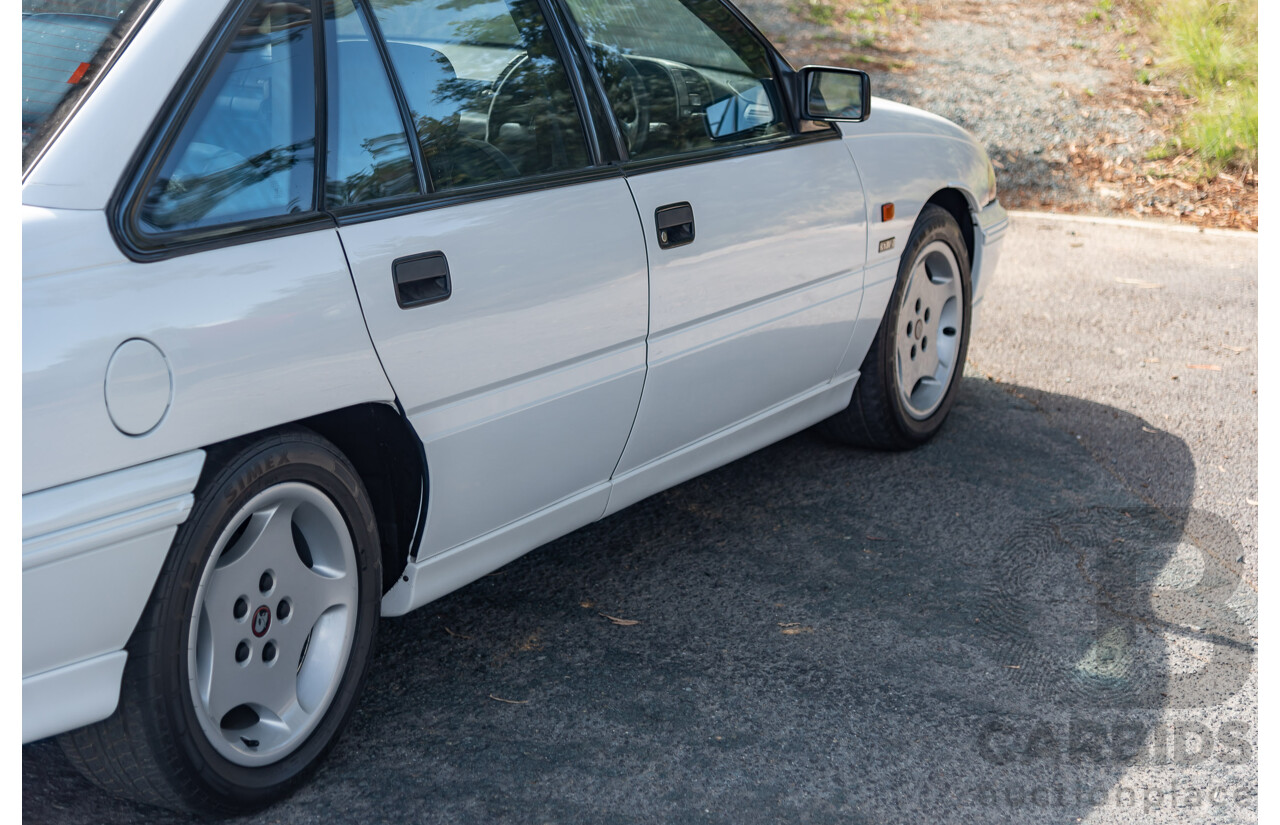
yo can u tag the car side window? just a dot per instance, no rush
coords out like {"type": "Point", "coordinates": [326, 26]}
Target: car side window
{"type": "Point", "coordinates": [367, 152]}
{"type": "Point", "coordinates": [680, 75]}
{"type": "Point", "coordinates": [486, 87]}
{"type": "Point", "coordinates": [247, 149]}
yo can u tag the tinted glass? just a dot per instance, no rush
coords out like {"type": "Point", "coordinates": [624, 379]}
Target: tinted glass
{"type": "Point", "coordinates": [680, 75]}
{"type": "Point", "coordinates": [368, 152]}
{"type": "Point", "coordinates": [62, 41]}
{"type": "Point", "coordinates": [489, 95]}
{"type": "Point", "coordinates": [248, 148]}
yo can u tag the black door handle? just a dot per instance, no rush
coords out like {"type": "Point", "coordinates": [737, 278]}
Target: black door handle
{"type": "Point", "coordinates": [421, 279]}
{"type": "Point", "coordinates": [675, 224]}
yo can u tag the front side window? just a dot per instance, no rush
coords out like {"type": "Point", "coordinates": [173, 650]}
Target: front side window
{"type": "Point", "coordinates": [486, 88]}
{"type": "Point", "coordinates": [681, 75]}
{"type": "Point", "coordinates": [247, 148]}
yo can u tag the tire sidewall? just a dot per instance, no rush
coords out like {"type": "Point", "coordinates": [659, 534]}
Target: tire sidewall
{"type": "Point", "coordinates": [300, 459]}
{"type": "Point", "coordinates": [935, 224]}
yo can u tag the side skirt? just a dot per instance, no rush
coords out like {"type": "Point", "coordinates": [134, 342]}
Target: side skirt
{"type": "Point", "coordinates": [429, 579]}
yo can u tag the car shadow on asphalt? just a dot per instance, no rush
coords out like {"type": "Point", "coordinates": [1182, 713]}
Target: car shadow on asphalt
{"type": "Point", "coordinates": [989, 628]}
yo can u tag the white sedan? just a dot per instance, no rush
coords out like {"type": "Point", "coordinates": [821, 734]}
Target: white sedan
{"type": "Point", "coordinates": [331, 308]}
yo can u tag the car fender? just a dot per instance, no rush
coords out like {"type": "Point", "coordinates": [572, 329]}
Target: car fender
{"type": "Point", "coordinates": [905, 156]}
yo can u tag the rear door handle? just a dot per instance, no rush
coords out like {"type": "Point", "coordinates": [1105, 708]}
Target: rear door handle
{"type": "Point", "coordinates": [675, 224]}
{"type": "Point", "coordinates": [421, 279]}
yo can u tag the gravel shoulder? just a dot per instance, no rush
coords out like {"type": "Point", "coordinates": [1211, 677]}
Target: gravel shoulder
{"type": "Point", "coordinates": [1052, 92]}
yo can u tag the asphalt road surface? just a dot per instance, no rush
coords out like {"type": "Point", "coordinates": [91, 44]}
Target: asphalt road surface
{"type": "Point", "coordinates": [1049, 613]}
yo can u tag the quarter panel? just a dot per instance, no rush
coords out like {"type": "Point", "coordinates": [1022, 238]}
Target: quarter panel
{"type": "Point", "coordinates": [254, 335]}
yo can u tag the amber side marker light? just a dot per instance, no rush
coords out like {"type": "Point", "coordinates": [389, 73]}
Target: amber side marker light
{"type": "Point", "coordinates": [886, 212]}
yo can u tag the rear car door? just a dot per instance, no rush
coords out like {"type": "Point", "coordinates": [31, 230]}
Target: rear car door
{"type": "Point", "coordinates": [756, 226]}
{"type": "Point", "coordinates": [500, 267]}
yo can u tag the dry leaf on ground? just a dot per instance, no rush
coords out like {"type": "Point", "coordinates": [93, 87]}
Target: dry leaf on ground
{"type": "Point", "coordinates": [622, 622]}
{"type": "Point", "coordinates": [508, 701]}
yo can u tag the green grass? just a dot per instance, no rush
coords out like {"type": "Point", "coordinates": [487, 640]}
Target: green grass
{"type": "Point", "coordinates": [1100, 11]}
{"type": "Point", "coordinates": [841, 14]}
{"type": "Point", "coordinates": [815, 11]}
{"type": "Point", "coordinates": [1211, 48]}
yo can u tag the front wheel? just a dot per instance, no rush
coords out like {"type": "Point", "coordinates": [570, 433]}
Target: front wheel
{"type": "Point", "coordinates": [250, 656]}
{"type": "Point", "coordinates": [912, 371]}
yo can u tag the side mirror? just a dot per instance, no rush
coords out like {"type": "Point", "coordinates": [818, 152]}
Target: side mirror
{"type": "Point", "coordinates": [828, 93]}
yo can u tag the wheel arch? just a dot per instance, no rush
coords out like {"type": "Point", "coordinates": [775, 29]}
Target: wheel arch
{"type": "Point", "coordinates": [387, 455]}
{"type": "Point", "coordinates": [959, 204]}
{"type": "Point", "coordinates": [386, 452]}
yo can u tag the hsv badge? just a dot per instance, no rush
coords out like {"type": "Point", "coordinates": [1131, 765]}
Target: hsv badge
{"type": "Point", "coordinates": [261, 621]}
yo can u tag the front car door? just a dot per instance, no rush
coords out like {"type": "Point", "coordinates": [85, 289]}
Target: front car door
{"type": "Point", "coordinates": [500, 266]}
{"type": "Point", "coordinates": [755, 226]}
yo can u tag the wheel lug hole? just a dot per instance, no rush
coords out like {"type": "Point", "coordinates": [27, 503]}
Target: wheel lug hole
{"type": "Point", "coordinates": [284, 609]}
{"type": "Point", "coordinates": [913, 353]}
{"type": "Point", "coordinates": [926, 314]}
{"type": "Point", "coordinates": [269, 652]}
{"type": "Point", "coordinates": [267, 582]}
{"type": "Point", "coordinates": [924, 344]}
{"type": "Point", "coordinates": [241, 609]}
{"type": "Point", "coordinates": [242, 652]}
{"type": "Point", "coordinates": [917, 306]}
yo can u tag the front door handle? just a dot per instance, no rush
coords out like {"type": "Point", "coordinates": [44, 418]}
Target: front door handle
{"type": "Point", "coordinates": [675, 224]}
{"type": "Point", "coordinates": [421, 279]}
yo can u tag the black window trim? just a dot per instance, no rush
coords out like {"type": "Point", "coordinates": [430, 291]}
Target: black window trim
{"type": "Point", "coordinates": [125, 203]}
{"type": "Point", "coordinates": [574, 67]}
{"type": "Point", "coordinates": [425, 184]}
{"type": "Point", "coordinates": [378, 210]}
{"type": "Point", "coordinates": [580, 47]}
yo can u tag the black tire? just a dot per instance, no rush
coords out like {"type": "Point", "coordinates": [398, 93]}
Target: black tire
{"type": "Point", "coordinates": [153, 749]}
{"type": "Point", "coordinates": [877, 417]}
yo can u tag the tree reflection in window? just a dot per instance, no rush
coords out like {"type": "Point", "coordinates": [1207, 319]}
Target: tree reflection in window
{"type": "Point", "coordinates": [681, 76]}
{"type": "Point", "coordinates": [486, 88]}
{"type": "Point", "coordinates": [247, 151]}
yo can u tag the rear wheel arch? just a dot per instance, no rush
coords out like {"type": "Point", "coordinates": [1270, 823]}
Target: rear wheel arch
{"type": "Point", "coordinates": [379, 441]}
{"type": "Point", "coordinates": [387, 455]}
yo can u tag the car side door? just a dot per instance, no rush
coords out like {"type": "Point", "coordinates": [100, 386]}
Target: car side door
{"type": "Point", "coordinates": [500, 266]}
{"type": "Point", "coordinates": [755, 225]}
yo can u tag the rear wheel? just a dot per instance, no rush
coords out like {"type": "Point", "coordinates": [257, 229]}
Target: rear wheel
{"type": "Point", "coordinates": [250, 656]}
{"type": "Point", "coordinates": [912, 371]}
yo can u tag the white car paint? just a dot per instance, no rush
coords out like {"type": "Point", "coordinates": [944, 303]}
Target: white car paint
{"type": "Point", "coordinates": [759, 307]}
{"type": "Point", "coordinates": [254, 335]}
{"type": "Point", "coordinates": [524, 383]}
{"type": "Point", "coordinates": [568, 325]}
{"type": "Point", "coordinates": [91, 551]}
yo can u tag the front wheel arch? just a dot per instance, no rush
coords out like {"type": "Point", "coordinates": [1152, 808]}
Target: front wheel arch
{"type": "Point", "coordinates": [962, 209]}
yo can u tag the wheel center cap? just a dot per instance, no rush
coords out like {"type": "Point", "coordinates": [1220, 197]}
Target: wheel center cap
{"type": "Point", "coordinates": [261, 621]}
{"type": "Point", "coordinates": [919, 329]}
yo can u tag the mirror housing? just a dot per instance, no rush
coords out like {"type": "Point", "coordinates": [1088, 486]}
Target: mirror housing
{"type": "Point", "coordinates": [832, 94]}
